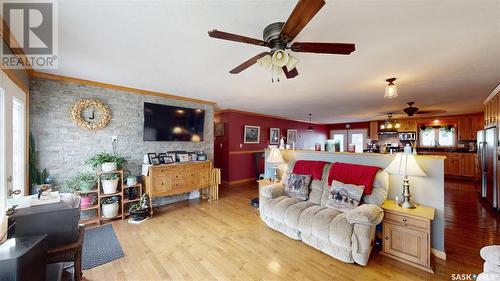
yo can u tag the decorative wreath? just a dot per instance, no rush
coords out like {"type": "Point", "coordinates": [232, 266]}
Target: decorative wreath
{"type": "Point", "coordinates": [76, 114]}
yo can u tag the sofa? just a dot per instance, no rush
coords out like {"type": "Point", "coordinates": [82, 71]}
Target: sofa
{"type": "Point", "coordinates": [347, 236]}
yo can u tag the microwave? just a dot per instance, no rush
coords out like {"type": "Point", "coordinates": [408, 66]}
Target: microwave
{"type": "Point", "coordinates": [408, 136]}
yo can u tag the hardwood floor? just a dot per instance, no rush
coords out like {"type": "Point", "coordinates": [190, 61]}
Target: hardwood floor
{"type": "Point", "coordinates": [227, 240]}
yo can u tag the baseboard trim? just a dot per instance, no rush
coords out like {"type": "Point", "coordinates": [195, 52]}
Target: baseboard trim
{"type": "Point", "coordinates": [247, 180]}
{"type": "Point", "coordinates": [438, 254]}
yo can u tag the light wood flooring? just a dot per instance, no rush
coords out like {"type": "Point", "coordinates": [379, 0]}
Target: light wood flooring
{"type": "Point", "coordinates": [226, 240]}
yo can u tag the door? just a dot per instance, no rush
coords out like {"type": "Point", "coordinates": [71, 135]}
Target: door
{"type": "Point", "coordinates": [490, 165]}
{"type": "Point", "coordinates": [12, 140]}
{"type": "Point", "coordinates": [406, 243]}
{"type": "Point", "coordinates": [358, 138]}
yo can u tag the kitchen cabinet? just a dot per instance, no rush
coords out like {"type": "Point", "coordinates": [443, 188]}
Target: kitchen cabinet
{"type": "Point", "coordinates": [465, 129]}
{"type": "Point", "coordinates": [490, 113]}
{"type": "Point", "coordinates": [374, 130]}
{"type": "Point", "coordinates": [407, 125]}
{"type": "Point", "coordinates": [458, 164]}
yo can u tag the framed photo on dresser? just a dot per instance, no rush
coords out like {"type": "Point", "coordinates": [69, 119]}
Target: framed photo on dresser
{"type": "Point", "coordinates": [291, 136]}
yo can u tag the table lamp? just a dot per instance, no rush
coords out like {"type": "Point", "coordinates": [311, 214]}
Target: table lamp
{"type": "Point", "coordinates": [404, 164]}
{"type": "Point", "coordinates": [275, 158]}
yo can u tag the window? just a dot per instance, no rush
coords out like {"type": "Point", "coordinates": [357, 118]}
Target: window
{"type": "Point", "coordinates": [345, 137]}
{"type": "Point", "coordinates": [438, 136]}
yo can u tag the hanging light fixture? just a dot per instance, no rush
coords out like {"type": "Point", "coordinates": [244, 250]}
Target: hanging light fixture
{"type": "Point", "coordinates": [391, 91]}
{"type": "Point", "coordinates": [390, 124]}
{"type": "Point", "coordinates": [310, 128]}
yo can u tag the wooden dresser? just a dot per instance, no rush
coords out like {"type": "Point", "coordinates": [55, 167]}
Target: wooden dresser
{"type": "Point", "coordinates": [407, 234]}
{"type": "Point", "coordinates": [164, 180]}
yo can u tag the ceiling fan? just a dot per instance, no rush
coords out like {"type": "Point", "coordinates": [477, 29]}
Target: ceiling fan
{"type": "Point", "coordinates": [411, 110]}
{"type": "Point", "coordinates": [278, 36]}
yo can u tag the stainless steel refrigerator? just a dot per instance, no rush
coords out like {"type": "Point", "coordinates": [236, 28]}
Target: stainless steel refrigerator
{"type": "Point", "coordinates": [487, 145]}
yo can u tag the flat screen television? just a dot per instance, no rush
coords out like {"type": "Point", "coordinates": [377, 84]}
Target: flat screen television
{"type": "Point", "coordinates": [172, 123]}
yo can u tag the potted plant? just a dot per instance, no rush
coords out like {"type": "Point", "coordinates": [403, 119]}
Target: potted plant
{"type": "Point", "coordinates": [131, 180]}
{"type": "Point", "coordinates": [109, 183]}
{"type": "Point", "coordinates": [140, 211]}
{"type": "Point", "coordinates": [83, 181]}
{"type": "Point", "coordinates": [109, 207]}
{"type": "Point", "coordinates": [107, 161]}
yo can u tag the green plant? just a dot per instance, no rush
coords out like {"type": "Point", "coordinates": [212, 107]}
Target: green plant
{"type": "Point", "coordinates": [448, 128]}
{"type": "Point", "coordinates": [426, 129]}
{"type": "Point", "coordinates": [109, 200]}
{"type": "Point", "coordinates": [98, 159]}
{"type": "Point", "coordinates": [109, 177]}
{"type": "Point", "coordinates": [143, 203]}
{"type": "Point", "coordinates": [74, 182]}
{"type": "Point", "coordinates": [36, 177]}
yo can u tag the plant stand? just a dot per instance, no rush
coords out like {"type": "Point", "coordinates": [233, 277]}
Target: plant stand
{"type": "Point", "coordinates": [123, 202]}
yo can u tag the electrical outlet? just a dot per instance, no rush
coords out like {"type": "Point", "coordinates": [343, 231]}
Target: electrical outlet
{"type": "Point", "coordinates": [114, 138]}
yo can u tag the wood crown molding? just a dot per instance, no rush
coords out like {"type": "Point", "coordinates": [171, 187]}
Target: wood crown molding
{"type": "Point", "coordinates": [493, 94]}
{"type": "Point", "coordinates": [73, 80]}
{"type": "Point", "coordinates": [265, 115]}
{"type": "Point", "coordinates": [245, 151]}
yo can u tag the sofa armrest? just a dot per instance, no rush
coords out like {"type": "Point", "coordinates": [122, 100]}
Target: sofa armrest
{"type": "Point", "coordinates": [272, 191]}
{"type": "Point", "coordinates": [366, 214]}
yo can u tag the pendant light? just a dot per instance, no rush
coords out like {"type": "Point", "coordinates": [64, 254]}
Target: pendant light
{"type": "Point", "coordinates": [391, 91]}
{"type": "Point", "coordinates": [310, 128]}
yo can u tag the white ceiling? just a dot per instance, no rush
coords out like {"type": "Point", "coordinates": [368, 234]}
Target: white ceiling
{"type": "Point", "coordinates": [446, 54]}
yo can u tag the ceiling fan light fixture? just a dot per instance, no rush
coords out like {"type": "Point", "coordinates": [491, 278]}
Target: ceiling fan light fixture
{"type": "Point", "coordinates": [265, 61]}
{"type": "Point", "coordinates": [292, 62]}
{"type": "Point", "coordinates": [391, 91]}
{"type": "Point", "coordinates": [280, 58]}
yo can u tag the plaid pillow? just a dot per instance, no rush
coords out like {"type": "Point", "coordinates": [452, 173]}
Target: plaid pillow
{"type": "Point", "coordinates": [297, 186]}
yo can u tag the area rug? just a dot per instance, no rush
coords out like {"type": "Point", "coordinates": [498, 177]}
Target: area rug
{"type": "Point", "coordinates": [100, 246]}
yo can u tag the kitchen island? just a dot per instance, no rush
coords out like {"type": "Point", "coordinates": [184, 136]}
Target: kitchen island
{"type": "Point", "coordinates": [427, 191]}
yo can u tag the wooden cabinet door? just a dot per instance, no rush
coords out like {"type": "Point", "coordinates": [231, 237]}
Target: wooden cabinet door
{"type": "Point", "coordinates": [409, 244]}
{"type": "Point", "coordinates": [162, 184]}
{"type": "Point", "coordinates": [465, 129]}
{"type": "Point", "coordinates": [456, 164]}
{"type": "Point", "coordinates": [476, 125]}
{"type": "Point", "coordinates": [411, 125]}
{"type": "Point", "coordinates": [468, 164]}
{"type": "Point", "coordinates": [374, 130]}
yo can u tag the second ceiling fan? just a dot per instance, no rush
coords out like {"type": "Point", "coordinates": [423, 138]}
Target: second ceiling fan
{"type": "Point", "coordinates": [278, 36]}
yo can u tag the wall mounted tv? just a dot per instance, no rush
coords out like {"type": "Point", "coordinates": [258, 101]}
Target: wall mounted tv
{"type": "Point", "coordinates": [172, 123]}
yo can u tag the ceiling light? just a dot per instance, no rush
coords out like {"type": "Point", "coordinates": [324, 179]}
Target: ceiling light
{"type": "Point", "coordinates": [390, 124]}
{"type": "Point", "coordinates": [310, 128]}
{"type": "Point", "coordinates": [391, 91]}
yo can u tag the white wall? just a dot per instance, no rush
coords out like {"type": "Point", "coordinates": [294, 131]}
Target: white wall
{"type": "Point", "coordinates": [428, 191]}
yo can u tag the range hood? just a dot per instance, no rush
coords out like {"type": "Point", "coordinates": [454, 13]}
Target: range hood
{"type": "Point", "coordinates": [388, 132]}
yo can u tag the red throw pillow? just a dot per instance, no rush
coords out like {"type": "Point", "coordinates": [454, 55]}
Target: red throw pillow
{"type": "Point", "coordinates": [354, 174]}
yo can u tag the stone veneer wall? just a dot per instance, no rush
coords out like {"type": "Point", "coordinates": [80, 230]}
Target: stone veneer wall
{"type": "Point", "coordinates": [62, 146]}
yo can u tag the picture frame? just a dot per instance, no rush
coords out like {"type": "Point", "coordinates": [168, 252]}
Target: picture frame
{"type": "Point", "coordinates": [168, 159]}
{"type": "Point", "coordinates": [183, 157]}
{"type": "Point", "coordinates": [274, 135]}
{"type": "Point", "coordinates": [251, 134]}
{"type": "Point", "coordinates": [291, 136]}
{"type": "Point", "coordinates": [150, 157]}
{"type": "Point", "coordinates": [155, 161]}
{"type": "Point", "coordinates": [219, 129]}
{"type": "Point", "coordinates": [172, 155]}
{"type": "Point", "coordinates": [193, 156]}
{"type": "Point", "coordinates": [162, 156]}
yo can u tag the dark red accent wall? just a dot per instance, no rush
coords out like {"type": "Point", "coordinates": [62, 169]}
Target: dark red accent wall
{"type": "Point", "coordinates": [356, 125]}
{"type": "Point", "coordinates": [238, 166]}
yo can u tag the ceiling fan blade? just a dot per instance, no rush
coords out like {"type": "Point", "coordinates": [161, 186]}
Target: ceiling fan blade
{"type": "Point", "coordinates": [303, 12]}
{"type": "Point", "coordinates": [323, 48]}
{"type": "Point", "coordinates": [433, 112]}
{"type": "Point", "coordinates": [237, 38]}
{"type": "Point", "coordinates": [247, 63]}
{"type": "Point", "coordinates": [290, 74]}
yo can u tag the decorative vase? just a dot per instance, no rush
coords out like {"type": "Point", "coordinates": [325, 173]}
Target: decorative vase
{"type": "Point", "coordinates": [110, 210]}
{"type": "Point", "coordinates": [86, 185]}
{"type": "Point", "coordinates": [108, 167]}
{"type": "Point", "coordinates": [109, 186]}
{"type": "Point", "coordinates": [132, 193]}
{"type": "Point", "coordinates": [86, 201]}
{"type": "Point", "coordinates": [138, 215]}
{"type": "Point", "coordinates": [131, 181]}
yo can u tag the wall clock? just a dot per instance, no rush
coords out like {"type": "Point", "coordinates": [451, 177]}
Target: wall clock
{"type": "Point", "coordinates": [91, 114]}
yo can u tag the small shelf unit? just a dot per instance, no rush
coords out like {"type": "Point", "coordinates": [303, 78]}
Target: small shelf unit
{"type": "Point", "coordinates": [123, 200]}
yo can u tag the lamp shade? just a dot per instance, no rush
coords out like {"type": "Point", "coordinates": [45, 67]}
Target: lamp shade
{"type": "Point", "coordinates": [275, 156]}
{"type": "Point", "coordinates": [405, 164]}
{"type": "Point", "coordinates": [391, 91]}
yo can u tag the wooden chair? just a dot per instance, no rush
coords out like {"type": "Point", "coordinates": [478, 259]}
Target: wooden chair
{"type": "Point", "coordinates": [69, 253]}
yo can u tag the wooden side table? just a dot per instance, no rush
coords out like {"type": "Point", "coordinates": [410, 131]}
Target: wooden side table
{"type": "Point", "coordinates": [406, 234]}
